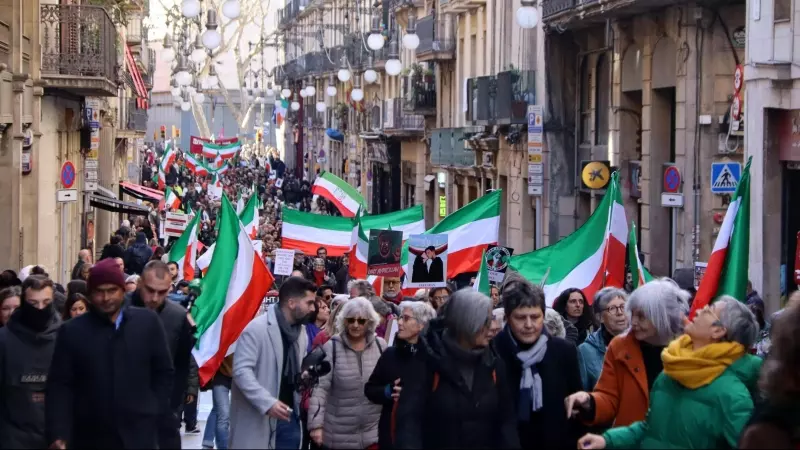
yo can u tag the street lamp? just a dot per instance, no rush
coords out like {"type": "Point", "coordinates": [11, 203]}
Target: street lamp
{"type": "Point", "coordinates": [321, 106]}
{"type": "Point", "coordinates": [375, 40]}
{"type": "Point", "coordinates": [344, 72]}
{"type": "Point", "coordinates": [182, 75]}
{"type": "Point", "coordinates": [295, 104]}
{"type": "Point", "coordinates": [199, 52]}
{"type": "Point", "coordinates": [211, 37]}
{"type": "Point", "coordinates": [331, 89]}
{"type": "Point", "coordinates": [310, 89]}
{"type": "Point", "coordinates": [393, 65]}
{"type": "Point", "coordinates": [190, 8]}
{"type": "Point", "coordinates": [527, 15]}
{"type": "Point", "coordinates": [212, 76]}
{"type": "Point", "coordinates": [411, 40]}
{"type": "Point", "coordinates": [370, 76]}
{"type": "Point", "coordinates": [168, 53]}
{"type": "Point", "coordinates": [231, 9]}
{"type": "Point", "coordinates": [357, 94]}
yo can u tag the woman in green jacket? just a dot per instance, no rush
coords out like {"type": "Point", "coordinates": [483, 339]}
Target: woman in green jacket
{"type": "Point", "coordinates": [702, 399]}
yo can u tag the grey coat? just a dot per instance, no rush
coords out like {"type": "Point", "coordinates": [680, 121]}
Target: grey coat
{"type": "Point", "coordinates": [257, 370]}
{"type": "Point", "coordinates": [347, 418]}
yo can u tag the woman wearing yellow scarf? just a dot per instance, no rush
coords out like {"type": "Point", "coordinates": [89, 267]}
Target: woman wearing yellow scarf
{"type": "Point", "coordinates": [703, 397]}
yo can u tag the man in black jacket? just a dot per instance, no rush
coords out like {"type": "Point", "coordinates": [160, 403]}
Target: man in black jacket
{"type": "Point", "coordinates": [26, 349]}
{"type": "Point", "coordinates": [111, 377]}
{"type": "Point", "coordinates": [154, 286]}
{"type": "Point", "coordinates": [137, 255]}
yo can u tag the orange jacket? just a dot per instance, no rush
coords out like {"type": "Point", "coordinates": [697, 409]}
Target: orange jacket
{"type": "Point", "coordinates": [621, 394]}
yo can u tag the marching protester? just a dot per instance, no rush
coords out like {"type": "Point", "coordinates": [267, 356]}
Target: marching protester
{"type": "Point", "coordinates": [111, 376]}
{"type": "Point", "coordinates": [9, 302]}
{"type": "Point", "coordinates": [609, 305]}
{"type": "Point", "coordinates": [574, 308]}
{"type": "Point", "coordinates": [704, 390]}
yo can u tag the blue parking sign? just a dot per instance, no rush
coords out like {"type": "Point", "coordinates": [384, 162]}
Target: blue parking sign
{"type": "Point", "coordinates": [725, 177]}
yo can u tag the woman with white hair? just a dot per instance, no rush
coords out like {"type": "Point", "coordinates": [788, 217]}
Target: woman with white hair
{"type": "Point", "coordinates": [455, 397]}
{"type": "Point", "coordinates": [609, 307]}
{"type": "Point", "coordinates": [554, 324]}
{"type": "Point", "coordinates": [383, 387]}
{"type": "Point", "coordinates": [702, 399]}
{"type": "Point", "coordinates": [633, 359]}
{"type": "Point", "coordinates": [340, 415]}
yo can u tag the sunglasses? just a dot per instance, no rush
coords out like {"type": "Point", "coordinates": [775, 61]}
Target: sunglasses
{"type": "Point", "coordinates": [352, 320]}
{"type": "Point", "coordinates": [327, 297]}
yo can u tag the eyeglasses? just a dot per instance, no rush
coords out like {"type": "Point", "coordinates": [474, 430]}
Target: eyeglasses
{"type": "Point", "coordinates": [352, 320]}
{"type": "Point", "coordinates": [406, 318]}
{"type": "Point", "coordinates": [327, 296]}
{"type": "Point", "coordinates": [707, 310]}
{"type": "Point", "coordinates": [441, 298]}
{"type": "Point", "coordinates": [619, 309]}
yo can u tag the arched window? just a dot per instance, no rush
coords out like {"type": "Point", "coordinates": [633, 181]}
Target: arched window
{"type": "Point", "coordinates": [602, 91]}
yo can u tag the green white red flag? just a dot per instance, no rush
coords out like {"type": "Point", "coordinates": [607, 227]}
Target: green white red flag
{"type": "Point", "coordinates": [307, 232]}
{"type": "Point", "coordinates": [221, 151]}
{"type": "Point", "coordinates": [482, 284]}
{"type": "Point", "coordinates": [588, 259]}
{"type": "Point", "coordinates": [184, 250]}
{"type": "Point", "coordinates": [233, 292]}
{"type": "Point", "coordinates": [249, 219]}
{"type": "Point", "coordinates": [727, 270]}
{"type": "Point", "coordinates": [346, 198]}
{"type": "Point", "coordinates": [171, 199]}
{"type": "Point", "coordinates": [410, 221]}
{"type": "Point", "coordinates": [639, 275]}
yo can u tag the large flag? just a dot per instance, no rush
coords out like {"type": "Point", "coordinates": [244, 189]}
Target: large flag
{"type": "Point", "coordinates": [409, 221]}
{"type": "Point", "coordinates": [233, 291]}
{"type": "Point", "coordinates": [163, 166]}
{"type": "Point", "coordinates": [335, 189]}
{"type": "Point", "coordinates": [195, 165]}
{"type": "Point", "coordinates": [249, 218]}
{"type": "Point", "coordinates": [482, 279]}
{"type": "Point", "coordinates": [239, 203]}
{"type": "Point", "coordinates": [184, 250]}
{"type": "Point", "coordinates": [307, 232]}
{"type": "Point", "coordinates": [588, 259]}
{"type": "Point", "coordinates": [171, 199]}
{"type": "Point", "coordinates": [726, 273]}
{"type": "Point", "coordinates": [639, 274]}
{"type": "Point", "coordinates": [215, 188]}
{"type": "Point", "coordinates": [223, 151]}
{"type": "Point", "coordinates": [469, 231]}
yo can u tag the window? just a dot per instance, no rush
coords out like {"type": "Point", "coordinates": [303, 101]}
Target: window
{"type": "Point", "coordinates": [782, 11]}
{"type": "Point", "coordinates": [586, 109]}
{"type": "Point", "coordinates": [603, 96]}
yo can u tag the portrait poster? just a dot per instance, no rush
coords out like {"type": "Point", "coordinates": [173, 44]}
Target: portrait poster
{"type": "Point", "coordinates": [497, 260]}
{"type": "Point", "coordinates": [427, 260]}
{"type": "Point", "coordinates": [699, 273]}
{"type": "Point", "coordinates": [383, 254]}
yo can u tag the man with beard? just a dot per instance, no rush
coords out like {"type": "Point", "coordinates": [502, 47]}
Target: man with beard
{"type": "Point", "coordinates": [26, 349]}
{"type": "Point", "coordinates": [264, 402]}
{"type": "Point", "coordinates": [386, 254]}
{"type": "Point", "coordinates": [392, 292]}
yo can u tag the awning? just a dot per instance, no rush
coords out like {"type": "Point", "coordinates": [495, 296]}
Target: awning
{"type": "Point", "coordinates": [141, 192]}
{"type": "Point", "coordinates": [110, 204]}
{"type": "Point", "coordinates": [141, 91]}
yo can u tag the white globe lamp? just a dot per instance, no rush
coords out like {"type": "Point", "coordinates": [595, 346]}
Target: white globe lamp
{"type": "Point", "coordinates": [343, 75]}
{"type": "Point", "coordinates": [370, 76]}
{"type": "Point", "coordinates": [285, 93]}
{"type": "Point", "coordinates": [184, 78]}
{"type": "Point", "coordinates": [191, 90]}
{"type": "Point", "coordinates": [231, 9]}
{"type": "Point", "coordinates": [357, 95]}
{"type": "Point", "coordinates": [186, 106]}
{"type": "Point", "coordinates": [311, 91]}
{"type": "Point", "coordinates": [199, 97]}
{"type": "Point", "coordinates": [168, 54]}
{"type": "Point", "coordinates": [198, 55]}
{"type": "Point", "coordinates": [175, 91]}
{"type": "Point", "coordinates": [331, 91]}
{"type": "Point", "coordinates": [295, 106]}
{"type": "Point", "coordinates": [375, 41]}
{"type": "Point", "coordinates": [269, 93]}
{"type": "Point", "coordinates": [211, 39]}
{"type": "Point", "coordinates": [394, 67]}
{"type": "Point", "coordinates": [321, 106]}
{"type": "Point", "coordinates": [411, 41]}
{"type": "Point", "coordinates": [527, 16]}
{"type": "Point", "coordinates": [190, 8]}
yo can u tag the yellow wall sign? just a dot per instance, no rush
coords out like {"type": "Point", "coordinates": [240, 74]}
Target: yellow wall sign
{"type": "Point", "coordinates": [442, 206]}
{"type": "Point", "coordinates": [595, 174]}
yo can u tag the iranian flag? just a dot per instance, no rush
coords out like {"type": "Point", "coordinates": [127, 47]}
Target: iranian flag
{"type": "Point", "coordinates": [233, 291]}
{"type": "Point", "coordinates": [639, 274]}
{"type": "Point", "coordinates": [184, 250]}
{"type": "Point", "coordinates": [727, 270]}
{"type": "Point", "coordinates": [469, 231]}
{"type": "Point", "coordinates": [409, 221]}
{"type": "Point", "coordinates": [171, 199]}
{"type": "Point", "coordinates": [589, 259]}
{"type": "Point", "coordinates": [215, 188]}
{"type": "Point", "coordinates": [195, 165]}
{"type": "Point", "coordinates": [249, 219]}
{"type": "Point", "coordinates": [335, 189]}
{"type": "Point", "coordinates": [163, 166]}
{"type": "Point", "coordinates": [482, 279]}
{"type": "Point", "coordinates": [222, 151]}
{"type": "Point", "coordinates": [307, 232]}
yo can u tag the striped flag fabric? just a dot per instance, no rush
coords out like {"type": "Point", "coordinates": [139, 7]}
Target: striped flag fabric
{"type": "Point", "coordinates": [482, 284]}
{"type": "Point", "coordinates": [727, 269]}
{"type": "Point", "coordinates": [470, 230]}
{"type": "Point", "coordinates": [239, 203]}
{"type": "Point", "coordinates": [163, 166]}
{"type": "Point", "coordinates": [223, 151]}
{"type": "Point", "coordinates": [233, 291]}
{"type": "Point", "coordinates": [409, 221]}
{"type": "Point", "coordinates": [195, 165]}
{"type": "Point", "coordinates": [307, 232]}
{"type": "Point", "coordinates": [588, 259]}
{"type": "Point", "coordinates": [171, 199]}
{"type": "Point", "coordinates": [215, 188]}
{"type": "Point", "coordinates": [639, 275]}
{"type": "Point", "coordinates": [345, 197]}
{"type": "Point", "coordinates": [249, 218]}
{"type": "Point", "coordinates": [184, 250]}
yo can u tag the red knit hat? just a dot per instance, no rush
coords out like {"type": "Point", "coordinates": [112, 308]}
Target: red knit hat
{"type": "Point", "coordinates": [106, 271]}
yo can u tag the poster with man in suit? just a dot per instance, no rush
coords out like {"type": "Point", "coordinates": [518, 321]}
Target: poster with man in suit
{"type": "Point", "coordinates": [427, 260]}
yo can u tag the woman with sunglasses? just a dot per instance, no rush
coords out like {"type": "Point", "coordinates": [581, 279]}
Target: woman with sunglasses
{"type": "Point", "coordinates": [340, 415]}
{"type": "Point", "coordinates": [702, 398]}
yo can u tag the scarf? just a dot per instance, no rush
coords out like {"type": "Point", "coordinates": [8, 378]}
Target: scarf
{"type": "Point", "coordinates": [289, 334]}
{"type": "Point", "coordinates": [694, 369]}
{"type": "Point", "coordinates": [319, 277]}
{"type": "Point", "coordinates": [530, 384]}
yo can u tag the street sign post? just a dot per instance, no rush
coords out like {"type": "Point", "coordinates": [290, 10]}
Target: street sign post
{"type": "Point", "coordinates": [672, 179]}
{"type": "Point", "coordinates": [725, 177]}
{"type": "Point", "coordinates": [67, 175]}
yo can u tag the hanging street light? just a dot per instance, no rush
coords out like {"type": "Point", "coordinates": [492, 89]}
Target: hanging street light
{"type": "Point", "coordinates": [182, 75]}
{"type": "Point", "coordinates": [190, 8]}
{"type": "Point", "coordinates": [231, 9]}
{"type": "Point", "coordinates": [411, 40]}
{"type": "Point", "coordinates": [370, 75]}
{"type": "Point", "coordinates": [212, 79]}
{"type": "Point", "coordinates": [344, 72]}
{"type": "Point", "coordinates": [211, 37]}
{"type": "Point", "coordinates": [527, 15]}
{"type": "Point", "coordinates": [375, 40]}
{"type": "Point", "coordinates": [168, 53]}
{"type": "Point", "coordinates": [199, 52]}
{"type": "Point", "coordinates": [331, 89]}
{"type": "Point", "coordinates": [393, 65]}
{"type": "Point", "coordinates": [357, 94]}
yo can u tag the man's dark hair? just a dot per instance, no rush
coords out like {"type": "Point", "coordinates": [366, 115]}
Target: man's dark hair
{"type": "Point", "coordinates": [322, 248]}
{"type": "Point", "coordinates": [431, 248]}
{"type": "Point", "coordinates": [321, 290]}
{"type": "Point", "coordinates": [517, 292]}
{"type": "Point", "coordinates": [160, 268]}
{"type": "Point", "coordinates": [294, 287]}
{"type": "Point", "coordinates": [39, 270]}
{"type": "Point", "coordinates": [172, 263]}
{"type": "Point", "coordinates": [182, 284]}
{"type": "Point", "coordinates": [37, 283]}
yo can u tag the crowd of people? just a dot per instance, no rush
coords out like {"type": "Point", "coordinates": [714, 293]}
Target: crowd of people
{"type": "Point", "coordinates": [106, 361]}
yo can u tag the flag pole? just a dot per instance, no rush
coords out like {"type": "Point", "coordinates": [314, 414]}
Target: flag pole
{"type": "Point", "coordinates": [544, 279]}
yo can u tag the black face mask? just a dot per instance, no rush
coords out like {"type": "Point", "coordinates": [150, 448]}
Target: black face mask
{"type": "Point", "coordinates": [34, 318]}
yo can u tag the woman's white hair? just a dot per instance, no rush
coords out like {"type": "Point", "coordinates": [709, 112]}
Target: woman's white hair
{"type": "Point", "coordinates": [358, 307]}
{"type": "Point", "coordinates": [421, 294]}
{"type": "Point", "coordinates": [422, 311]}
{"type": "Point", "coordinates": [554, 323]}
{"type": "Point", "coordinates": [664, 304]}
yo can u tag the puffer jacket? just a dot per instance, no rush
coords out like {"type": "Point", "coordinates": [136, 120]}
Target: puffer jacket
{"type": "Point", "coordinates": [338, 404]}
{"type": "Point", "coordinates": [590, 359]}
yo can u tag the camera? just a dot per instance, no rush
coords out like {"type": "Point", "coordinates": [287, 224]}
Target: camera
{"type": "Point", "coordinates": [312, 368]}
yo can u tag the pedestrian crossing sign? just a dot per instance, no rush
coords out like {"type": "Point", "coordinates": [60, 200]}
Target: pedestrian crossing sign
{"type": "Point", "coordinates": [725, 177]}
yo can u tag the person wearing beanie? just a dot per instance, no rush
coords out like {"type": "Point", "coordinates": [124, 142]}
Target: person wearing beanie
{"type": "Point", "coordinates": [111, 376]}
{"type": "Point", "coordinates": [26, 349]}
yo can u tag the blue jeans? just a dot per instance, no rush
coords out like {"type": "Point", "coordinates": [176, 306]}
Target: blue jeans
{"type": "Point", "coordinates": [288, 433]}
{"type": "Point", "coordinates": [219, 419]}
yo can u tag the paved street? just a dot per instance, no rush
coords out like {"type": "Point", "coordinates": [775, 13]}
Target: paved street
{"type": "Point", "coordinates": [195, 441]}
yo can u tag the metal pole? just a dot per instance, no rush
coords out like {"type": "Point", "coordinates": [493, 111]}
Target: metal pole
{"type": "Point", "coordinates": [672, 251]}
{"type": "Point", "coordinates": [63, 257]}
{"type": "Point", "coordinates": [538, 224]}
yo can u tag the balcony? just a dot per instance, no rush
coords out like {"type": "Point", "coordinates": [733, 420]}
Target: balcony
{"type": "Point", "coordinates": [135, 31]}
{"type": "Point", "coordinates": [481, 92]}
{"type": "Point", "coordinates": [448, 149]}
{"type": "Point", "coordinates": [79, 50]}
{"type": "Point", "coordinates": [137, 118]}
{"type": "Point", "coordinates": [586, 13]}
{"type": "Point", "coordinates": [397, 123]}
{"type": "Point", "coordinates": [421, 98]}
{"type": "Point", "coordinates": [516, 89]}
{"type": "Point", "coordinates": [288, 13]}
{"type": "Point", "coordinates": [436, 41]}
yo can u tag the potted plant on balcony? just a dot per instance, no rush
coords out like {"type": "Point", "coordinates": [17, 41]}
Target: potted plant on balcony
{"type": "Point", "coordinates": [429, 76]}
{"type": "Point", "coordinates": [340, 112]}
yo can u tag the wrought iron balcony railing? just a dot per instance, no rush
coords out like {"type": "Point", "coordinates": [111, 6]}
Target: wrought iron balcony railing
{"type": "Point", "coordinates": [481, 93]}
{"type": "Point", "coordinates": [134, 30]}
{"type": "Point", "coordinates": [78, 41]}
{"type": "Point", "coordinates": [434, 39]}
{"type": "Point", "coordinates": [395, 119]}
{"type": "Point", "coordinates": [421, 98]}
{"type": "Point", "coordinates": [137, 118]}
{"type": "Point", "coordinates": [516, 89]}
{"type": "Point", "coordinates": [553, 7]}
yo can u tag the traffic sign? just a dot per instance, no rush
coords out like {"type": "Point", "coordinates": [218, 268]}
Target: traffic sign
{"type": "Point", "coordinates": [67, 195]}
{"type": "Point", "coordinates": [672, 179]}
{"type": "Point", "coordinates": [595, 174]}
{"type": "Point", "coordinates": [90, 186]}
{"type": "Point", "coordinates": [738, 79]}
{"type": "Point", "coordinates": [67, 174]}
{"type": "Point", "coordinates": [725, 177]}
{"type": "Point", "coordinates": [736, 108]}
